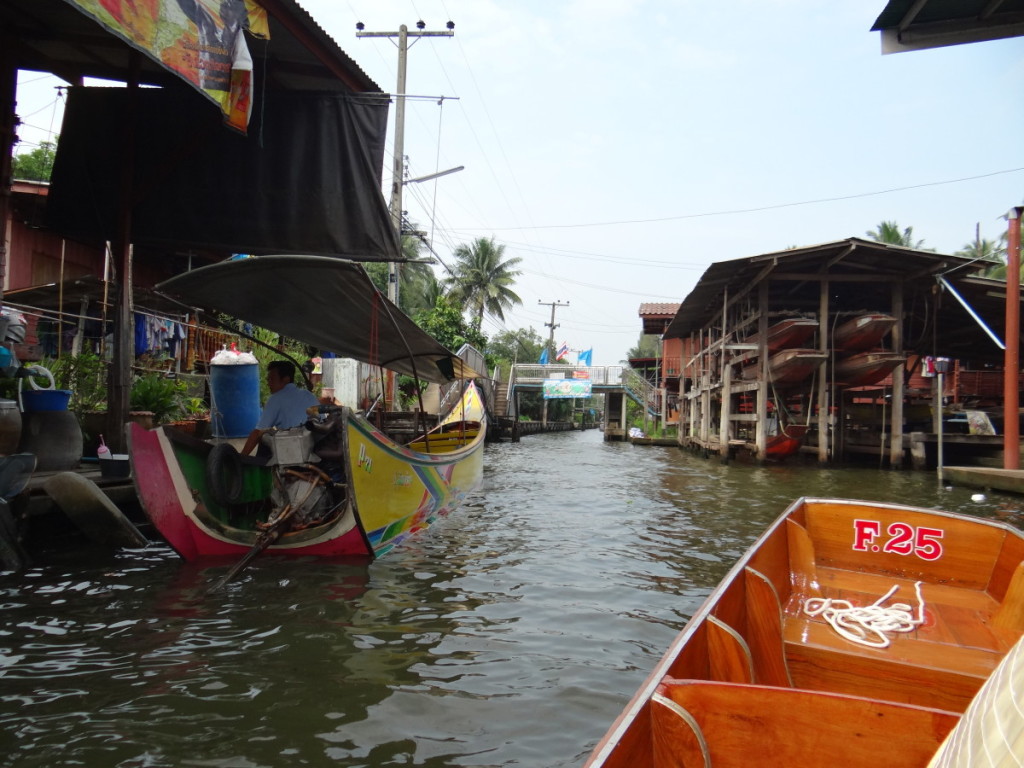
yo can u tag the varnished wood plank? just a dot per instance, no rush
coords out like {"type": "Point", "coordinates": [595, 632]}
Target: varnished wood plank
{"type": "Point", "coordinates": [728, 653]}
{"type": "Point", "coordinates": [968, 547]}
{"type": "Point", "coordinates": [821, 668]}
{"type": "Point", "coordinates": [803, 568]}
{"type": "Point", "coordinates": [744, 726]}
{"type": "Point", "coordinates": [764, 631]}
{"type": "Point", "coordinates": [1010, 615]}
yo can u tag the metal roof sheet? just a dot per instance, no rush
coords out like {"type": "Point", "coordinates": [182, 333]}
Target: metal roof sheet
{"type": "Point", "coordinates": [908, 25]}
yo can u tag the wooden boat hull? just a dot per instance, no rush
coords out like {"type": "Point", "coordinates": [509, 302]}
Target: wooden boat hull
{"type": "Point", "coordinates": [789, 366]}
{"type": "Point", "coordinates": [394, 491]}
{"type": "Point", "coordinates": [791, 332]}
{"type": "Point", "coordinates": [862, 332]}
{"type": "Point", "coordinates": [752, 630]}
{"type": "Point", "coordinates": [787, 442]}
{"type": "Point", "coordinates": [866, 368]}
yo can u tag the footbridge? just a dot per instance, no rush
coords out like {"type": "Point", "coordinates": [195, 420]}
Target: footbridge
{"type": "Point", "coordinates": [614, 382]}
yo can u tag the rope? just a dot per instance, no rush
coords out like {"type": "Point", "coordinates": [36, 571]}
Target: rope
{"type": "Point", "coordinates": [868, 625]}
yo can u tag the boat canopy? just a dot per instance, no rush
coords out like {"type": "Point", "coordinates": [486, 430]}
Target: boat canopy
{"type": "Point", "coordinates": [326, 302]}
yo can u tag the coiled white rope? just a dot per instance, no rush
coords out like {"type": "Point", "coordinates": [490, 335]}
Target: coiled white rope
{"type": "Point", "coordinates": [868, 625]}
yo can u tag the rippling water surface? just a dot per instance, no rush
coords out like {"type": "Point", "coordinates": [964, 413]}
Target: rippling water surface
{"type": "Point", "coordinates": [512, 633]}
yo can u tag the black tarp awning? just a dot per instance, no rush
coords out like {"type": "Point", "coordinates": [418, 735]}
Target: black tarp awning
{"type": "Point", "coordinates": [327, 303]}
{"type": "Point", "coordinates": [305, 180]}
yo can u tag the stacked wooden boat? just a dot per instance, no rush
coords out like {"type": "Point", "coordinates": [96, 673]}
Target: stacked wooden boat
{"type": "Point", "coordinates": [860, 363]}
{"type": "Point", "coordinates": [789, 363]}
{"type": "Point", "coordinates": [852, 633]}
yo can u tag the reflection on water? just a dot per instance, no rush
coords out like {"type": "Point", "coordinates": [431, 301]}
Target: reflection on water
{"type": "Point", "coordinates": [511, 634]}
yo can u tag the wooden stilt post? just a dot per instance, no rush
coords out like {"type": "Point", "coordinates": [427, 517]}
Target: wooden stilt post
{"type": "Point", "coordinates": [761, 430]}
{"type": "Point", "coordinates": [896, 422]}
{"type": "Point", "coordinates": [824, 437]}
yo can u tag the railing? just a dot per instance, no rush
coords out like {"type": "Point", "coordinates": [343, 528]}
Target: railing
{"type": "Point", "coordinates": [534, 373]}
{"type": "Point", "coordinates": [642, 391]}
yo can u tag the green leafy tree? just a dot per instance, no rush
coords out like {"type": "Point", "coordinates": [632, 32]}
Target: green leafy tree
{"type": "Point", "coordinates": [890, 232]}
{"type": "Point", "coordinates": [417, 284]}
{"type": "Point", "coordinates": [508, 347]}
{"type": "Point", "coordinates": [990, 255]}
{"type": "Point", "coordinates": [37, 164]}
{"type": "Point", "coordinates": [482, 279]}
{"type": "Point", "coordinates": [648, 345]}
{"type": "Point", "coordinates": [446, 324]}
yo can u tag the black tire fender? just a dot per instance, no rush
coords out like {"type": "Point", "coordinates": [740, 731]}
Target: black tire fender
{"type": "Point", "coordinates": [224, 474]}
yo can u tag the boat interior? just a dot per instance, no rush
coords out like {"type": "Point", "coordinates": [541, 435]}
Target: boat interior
{"type": "Point", "coordinates": [754, 634]}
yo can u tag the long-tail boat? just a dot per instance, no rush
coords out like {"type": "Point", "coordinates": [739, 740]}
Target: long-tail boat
{"type": "Point", "coordinates": [849, 628]}
{"type": "Point", "coordinates": [791, 332]}
{"type": "Point", "coordinates": [862, 332]}
{"type": "Point", "coordinates": [865, 368]}
{"type": "Point", "coordinates": [341, 485]}
{"type": "Point", "coordinates": [788, 366]}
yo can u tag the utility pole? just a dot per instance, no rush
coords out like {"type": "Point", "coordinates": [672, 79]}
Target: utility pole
{"type": "Point", "coordinates": [552, 325]}
{"type": "Point", "coordinates": [398, 165]}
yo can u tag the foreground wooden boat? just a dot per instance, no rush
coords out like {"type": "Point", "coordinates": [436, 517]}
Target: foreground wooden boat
{"type": "Point", "coordinates": [752, 657]}
{"type": "Point", "coordinates": [340, 486]}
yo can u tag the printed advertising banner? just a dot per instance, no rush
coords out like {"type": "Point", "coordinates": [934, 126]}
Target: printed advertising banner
{"type": "Point", "coordinates": [566, 388]}
{"type": "Point", "coordinates": [200, 40]}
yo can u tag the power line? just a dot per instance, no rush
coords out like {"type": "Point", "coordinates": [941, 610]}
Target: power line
{"type": "Point", "coordinates": [758, 209]}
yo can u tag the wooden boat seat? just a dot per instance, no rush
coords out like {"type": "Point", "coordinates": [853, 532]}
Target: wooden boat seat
{"type": "Point", "coordinates": [701, 724]}
{"type": "Point", "coordinates": [942, 663]}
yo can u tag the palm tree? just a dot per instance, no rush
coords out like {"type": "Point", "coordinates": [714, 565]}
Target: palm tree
{"type": "Point", "coordinates": [481, 281]}
{"type": "Point", "coordinates": [889, 232]}
{"type": "Point", "coordinates": [990, 254]}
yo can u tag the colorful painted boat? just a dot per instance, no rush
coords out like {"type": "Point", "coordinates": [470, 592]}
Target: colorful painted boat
{"type": "Point", "coordinates": [761, 676]}
{"type": "Point", "coordinates": [341, 486]}
{"type": "Point", "coordinates": [791, 332]}
{"type": "Point", "coordinates": [866, 368]}
{"type": "Point", "coordinates": [862, 332]}
{"type": "Point", "coordinates": [788, 366]}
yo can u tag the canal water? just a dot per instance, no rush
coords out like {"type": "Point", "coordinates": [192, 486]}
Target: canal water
{"type": "Point", "coordinates": [511, 634]}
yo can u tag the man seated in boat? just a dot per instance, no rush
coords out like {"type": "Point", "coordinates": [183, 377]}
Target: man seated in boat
{"type": "Point", "coordinates": [286, 406]}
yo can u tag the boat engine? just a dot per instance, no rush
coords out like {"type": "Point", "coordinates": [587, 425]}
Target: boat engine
{"type": "Point", "coordinates": [302, 490]}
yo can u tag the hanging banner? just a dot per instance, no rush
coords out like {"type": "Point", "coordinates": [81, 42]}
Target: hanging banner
{"type": "Point", "coordinates": [565, 388]}
{"type": "Point", "coordinates": [200, 40]}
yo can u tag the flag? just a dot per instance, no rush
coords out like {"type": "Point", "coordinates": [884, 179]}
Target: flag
{"type": "Point", "coordinates": [563, 351]}
{"type": "Point", "coordinates": [544, 357]}
{"type": "Point", "coordinates": [586, 357]}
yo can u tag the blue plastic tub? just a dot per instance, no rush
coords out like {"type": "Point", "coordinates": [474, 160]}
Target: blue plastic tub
{"type": "Point", "coordinates": [235, 392]}
{"type": "Point", "coordinates": [36, 400]}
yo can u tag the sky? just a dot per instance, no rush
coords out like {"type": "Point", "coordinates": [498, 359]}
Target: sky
{"type": "Point", "coordinates": [619, 147]}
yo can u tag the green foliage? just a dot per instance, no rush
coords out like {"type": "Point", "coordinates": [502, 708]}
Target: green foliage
{"type": "Point", "coordinates": [37, 164]}
{"type": "Point", "coordinates": [648, 345]}
{"type": "Point", "coordinates": [446, 324]}
{"type": "Point", "coordinates": [85, 375]}
{"type": "Point", "coordinates": [521, 346]}
{"type": "Point", "coordinates": [890, 232]}
{"type": "Point", "coordinates": [160, 395]}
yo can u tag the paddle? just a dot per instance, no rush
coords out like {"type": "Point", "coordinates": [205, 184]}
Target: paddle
{"type": "Point", "coordinates": [269, 536]}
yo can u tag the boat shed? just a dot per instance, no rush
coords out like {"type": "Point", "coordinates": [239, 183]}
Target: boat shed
{"type": "Point", "coordinates": [829, 349]}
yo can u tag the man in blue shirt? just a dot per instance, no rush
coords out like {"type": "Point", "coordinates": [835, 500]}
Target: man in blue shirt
{"type": "Point", "coordinates": [286, 406]}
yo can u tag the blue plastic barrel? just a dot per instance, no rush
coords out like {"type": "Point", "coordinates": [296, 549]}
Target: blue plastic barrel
{"type": "Point", "coordinates": [235, 396]}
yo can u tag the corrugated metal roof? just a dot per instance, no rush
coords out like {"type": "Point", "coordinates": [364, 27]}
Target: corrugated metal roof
{"type": "Point", "coordinates": [855, 260]}
{"type": "Point", "coordinates": [915, 24]}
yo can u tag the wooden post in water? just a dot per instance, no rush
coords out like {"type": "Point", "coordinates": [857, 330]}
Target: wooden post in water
{"type": "Point", "coordinates": [761, 430]}
{"type": "Point", "coordinates": [1011, 359]}
{"type": "Point", "coordinates": [823, 404]}
{"type": "Point", "coordinates": [896, 428]}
